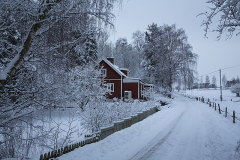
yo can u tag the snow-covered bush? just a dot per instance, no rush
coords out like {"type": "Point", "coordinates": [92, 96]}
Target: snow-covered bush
{"type": "Point", "coordinates": [103, 114]}
{"type": "Point", "coordinates": [238, 147]}
{"type": "Point", "coordinates": [94, 116]}
{"type": "Point", "coordinates": [86, 85]}
{"type": "Point", "coordinates": [148, 93]}
{"type": "Point", "coordinates": [235, 88]}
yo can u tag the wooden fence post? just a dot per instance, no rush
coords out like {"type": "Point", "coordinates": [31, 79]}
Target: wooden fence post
{"type": "Point", "coordinates": [226, 112]}
{"type": "Point", "coordinates": [41, 157]}
{"type": "Point", "coordinates": [215, 106]}
{"type": "Point", "coordinates": [49, 155]}
{"type": "Point", "coordinates": [219, 108]}
{"type": "Point", "coordinates": [45, 156]}
{"type": "Point", "coordinates": [233, 116]}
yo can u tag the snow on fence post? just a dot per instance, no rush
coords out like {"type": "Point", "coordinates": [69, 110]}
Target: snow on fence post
{"type": "Point", "coordinates": [226, 112]}
{"type": "Point", "coordinates": [234, 117]}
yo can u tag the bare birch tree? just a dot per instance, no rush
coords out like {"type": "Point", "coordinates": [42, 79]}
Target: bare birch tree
{"type": "Point", "coordinates": [227, 13]}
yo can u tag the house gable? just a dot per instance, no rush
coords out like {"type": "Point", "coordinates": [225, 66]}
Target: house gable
{"type": "Point", "coordinates": [110, 72]}
{"type": "Point", "coordinates": [112, 66]}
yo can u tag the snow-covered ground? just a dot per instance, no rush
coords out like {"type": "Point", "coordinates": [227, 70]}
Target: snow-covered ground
{"type": "Point", "coordinates": [187, 130]}
{"type": "Point", "coordinates": [213, 94]}
{"type": "Point", "coordinates": [66, 124]}
{"type": "Point", "coordinates": [229, 99]}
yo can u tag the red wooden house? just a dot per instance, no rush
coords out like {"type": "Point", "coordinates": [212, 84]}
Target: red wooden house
{"type": "Point", "coordinates": [118, 81]}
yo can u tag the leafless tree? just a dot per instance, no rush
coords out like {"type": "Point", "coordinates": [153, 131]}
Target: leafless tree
{"type": "Point", "coordinates": [227, 13]}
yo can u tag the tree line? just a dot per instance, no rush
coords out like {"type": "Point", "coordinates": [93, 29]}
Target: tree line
{"type": "Point", "coordinates": [161, 55]}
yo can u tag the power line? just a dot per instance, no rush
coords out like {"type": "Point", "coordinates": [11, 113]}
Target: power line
{"type": "Point", "coordinates": [208, 73]}
{"type": "Point", "coordinates": [218, 70]}
{"type": "Point", "coordinates": [230, 67]}
{"type": "Point", "coordinates": [232, 70]}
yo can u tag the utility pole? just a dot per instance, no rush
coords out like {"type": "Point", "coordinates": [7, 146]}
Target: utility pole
{"type": "Point", "coordinates": [220, 85]}
{"type": "Point", "coordinates": [201, 84]}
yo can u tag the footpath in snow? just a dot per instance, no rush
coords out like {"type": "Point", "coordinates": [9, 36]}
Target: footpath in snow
{"type": "Point", "coordinates": [187, 130]}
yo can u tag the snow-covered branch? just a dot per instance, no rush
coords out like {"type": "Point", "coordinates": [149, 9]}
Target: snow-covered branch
{"type": "Point", "coordinates": [229, 12]}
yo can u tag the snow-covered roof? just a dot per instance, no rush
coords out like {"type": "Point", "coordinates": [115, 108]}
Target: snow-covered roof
{"type": "Point", "coordinates": [148, 85]}
{"type": "Point", "coordinates": [125, 69]}
{"type": "Point", "coordinates": [129, 79]}
{"type": "Point", "coordinates": [114, 67]}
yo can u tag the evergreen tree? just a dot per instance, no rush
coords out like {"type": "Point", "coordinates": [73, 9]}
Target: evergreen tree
{"type": "Point", "coordinates": [224, 81]}
{"type": "Point", "coordinates": [168, 56]}
{"type": "Point", "coordinates": [237, 80]}
{"type": "Point", "coordinates": [214, 82]}
{"type": "Point", "coordinates": [207, 81]}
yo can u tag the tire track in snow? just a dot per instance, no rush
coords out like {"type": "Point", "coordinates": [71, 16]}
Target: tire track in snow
{"type": "Point", "coordinates": [184, 139]}
{"type": "Point", "coordinates": [145, 153]}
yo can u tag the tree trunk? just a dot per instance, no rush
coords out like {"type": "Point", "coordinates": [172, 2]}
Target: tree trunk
{"type": "Point", "coordinates": [28, 42]}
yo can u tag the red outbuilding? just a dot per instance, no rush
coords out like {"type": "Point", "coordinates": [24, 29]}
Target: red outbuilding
{"type": "Point", "coordinates": [118, 82]}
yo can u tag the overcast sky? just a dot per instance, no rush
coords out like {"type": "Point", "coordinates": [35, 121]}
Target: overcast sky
{"type": "Point", "coordinates": [213, 55]}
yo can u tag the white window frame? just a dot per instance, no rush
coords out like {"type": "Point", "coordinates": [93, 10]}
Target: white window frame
{"type": "Point", "coordinates": [104, 72]}
{"type": "Point", "coordinates": [110, 87]}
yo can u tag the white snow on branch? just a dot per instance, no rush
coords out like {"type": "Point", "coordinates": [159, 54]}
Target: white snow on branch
{"type": "Point", "coordinates": [5, 72]}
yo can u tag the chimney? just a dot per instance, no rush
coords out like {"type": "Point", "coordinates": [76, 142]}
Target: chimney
{"type": "Point", "coordinates": [111, 59]}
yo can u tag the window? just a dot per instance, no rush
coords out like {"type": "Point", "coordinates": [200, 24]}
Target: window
{"type": "Point", "coordinates": [103, 72]}
{"type": "Point", "coordinates": [110, 87]}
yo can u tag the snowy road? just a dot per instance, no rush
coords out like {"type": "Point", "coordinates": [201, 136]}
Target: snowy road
{"type": "Point", "coordinates": [185, 138]}
{"type": "Point", "coordinates": [188, 130]}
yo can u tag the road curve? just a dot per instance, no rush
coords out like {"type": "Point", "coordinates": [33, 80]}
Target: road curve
{"type": "Point", "coordinates": [189, 137]}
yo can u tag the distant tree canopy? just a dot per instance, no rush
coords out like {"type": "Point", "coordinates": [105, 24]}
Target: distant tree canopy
{"type": "Point", "coordinates": [207, 80]}
{"type": "Point", "coordinates": [214, 81]}
{"type": "Point", "coordinates": [229, 13]}
{"type": "Point", "coordinates": [224, 81]}
{"type": "Point", "coordinates": [235, 88]}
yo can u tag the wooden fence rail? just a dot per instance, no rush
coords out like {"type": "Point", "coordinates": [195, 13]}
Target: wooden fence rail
{"type": "Point", "coordinates": [117, 126]}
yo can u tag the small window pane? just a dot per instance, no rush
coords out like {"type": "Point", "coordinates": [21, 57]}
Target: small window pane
{"type": "Point", "coordinates": [103, 72]}
{"type": "Point", "coordinates": [110, 87]}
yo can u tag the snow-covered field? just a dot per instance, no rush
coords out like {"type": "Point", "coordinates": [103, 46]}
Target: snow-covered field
{"type": "Point", "coordinates": [187, 130]}
{"type": "Point", "coordinates": [213, 94]}
{"type": "Point", "coordinates": [229, 99]}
